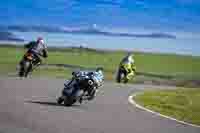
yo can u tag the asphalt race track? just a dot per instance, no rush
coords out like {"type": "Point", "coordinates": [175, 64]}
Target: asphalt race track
{"type": "Point", "coordinates": [29, 106]}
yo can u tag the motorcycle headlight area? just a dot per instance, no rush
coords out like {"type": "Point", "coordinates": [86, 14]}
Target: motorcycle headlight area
{"type": "Point", "coordinates": [90, 82]}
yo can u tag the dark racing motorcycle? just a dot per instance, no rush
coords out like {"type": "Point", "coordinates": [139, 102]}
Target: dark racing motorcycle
{"type": "Point", "coordinates": [79, 88]}
{"type": "Point", "coordinates": [28, 64]}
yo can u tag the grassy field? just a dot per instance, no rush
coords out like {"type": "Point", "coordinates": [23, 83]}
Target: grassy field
{"type": "Point", "coordinates": [182, 104]}
{"type": "Point", "coordinates": [147, 63]}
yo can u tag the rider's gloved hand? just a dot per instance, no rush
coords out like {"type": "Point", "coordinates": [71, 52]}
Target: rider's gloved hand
{"type": "Point", "coordinates": [74, 74]}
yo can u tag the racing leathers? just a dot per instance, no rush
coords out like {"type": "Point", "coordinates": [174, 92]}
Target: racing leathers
{"type": "Point", "coordinates": [37, 49]}
{"type": "Point", "coordinates": [129, 61]}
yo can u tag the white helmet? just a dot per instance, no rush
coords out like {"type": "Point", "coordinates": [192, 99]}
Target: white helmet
{"type": "Point", "coordinates": [40, 40]}
{"type": "Point", "coordinates": [99, 69]}
{"type": "Point", "coordinates": [130, 54]}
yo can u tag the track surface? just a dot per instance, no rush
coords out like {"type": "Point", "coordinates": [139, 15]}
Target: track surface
{"type": "Point", "coordinates": [29, 106]}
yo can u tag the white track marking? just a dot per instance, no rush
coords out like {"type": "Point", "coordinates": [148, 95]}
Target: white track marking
{"type": "Point", "coordinates": [130, 99]}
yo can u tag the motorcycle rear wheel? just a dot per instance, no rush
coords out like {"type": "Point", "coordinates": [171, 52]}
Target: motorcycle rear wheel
{"type": "Point", "coordinates": [28, 67]}
{"type": "Point", "coordinates": [69, 101]}
{"type": "Point", "coordinates": [118, 79]}
{"type": "Point", "coordinates": [25, 68]}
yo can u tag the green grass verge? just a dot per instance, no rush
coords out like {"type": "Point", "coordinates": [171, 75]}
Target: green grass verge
{"type": "Point", "coordinates": [163, 64]}
{"type": "Point", "coordinates": [182, 103]}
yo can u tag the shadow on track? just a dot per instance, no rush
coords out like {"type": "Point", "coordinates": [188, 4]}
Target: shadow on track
{"type": "Point", "coordinates": [45, 103]}
{"type": "Point", "coordinates": [55, 104]}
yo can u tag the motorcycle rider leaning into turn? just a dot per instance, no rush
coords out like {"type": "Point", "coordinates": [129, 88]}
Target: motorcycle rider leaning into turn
{"type": "Point", "coordinates": [97, 77]}
{"type": "Point", "coordinates": [37, 48]}
{"type": "Point", "coordinates": [129, 58]}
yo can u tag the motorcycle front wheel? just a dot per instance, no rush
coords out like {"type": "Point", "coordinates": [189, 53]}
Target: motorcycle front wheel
{"type": "Point", "coordinates": [120, 76]}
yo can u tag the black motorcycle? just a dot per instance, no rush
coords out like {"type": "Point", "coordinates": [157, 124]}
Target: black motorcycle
{"type": "Point", "coordinates": [79, 88]}
{"type": "Point", "coordinates": [30, 62]}
{"type": "Point", "coordinates": [27, 64]}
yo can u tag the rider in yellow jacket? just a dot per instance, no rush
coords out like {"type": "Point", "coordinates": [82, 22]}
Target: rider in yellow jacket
{"type": "Point", "coordinates": [129, 60]}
